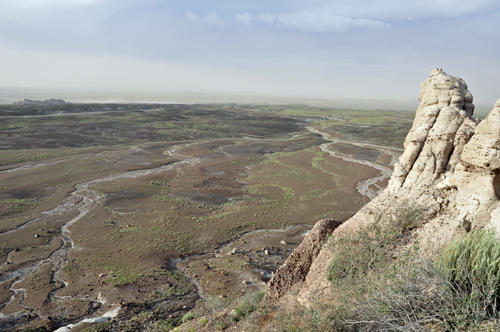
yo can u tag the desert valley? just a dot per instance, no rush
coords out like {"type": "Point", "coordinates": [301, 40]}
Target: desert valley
{"type": "Point", "coordinates": [150, 211]}
{"type": "Point", "coordinates": [206, 217]}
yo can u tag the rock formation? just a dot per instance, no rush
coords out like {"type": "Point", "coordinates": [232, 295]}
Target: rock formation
{"type": "Point", "coordinates": [298, 264]}
{"type": "Point", "coordinates": [449, 170]}
{"type": "Point", "coordinates": [442, 125]}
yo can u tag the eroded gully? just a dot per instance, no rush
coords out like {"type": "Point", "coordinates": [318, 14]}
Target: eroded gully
{"type": "Point", "coordinates": [85, 199]}
{"type": "Point", "coordinates": [363, 187]}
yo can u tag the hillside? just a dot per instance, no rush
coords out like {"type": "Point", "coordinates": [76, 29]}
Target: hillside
{"type": "Point", "coordinates": [444, 187]}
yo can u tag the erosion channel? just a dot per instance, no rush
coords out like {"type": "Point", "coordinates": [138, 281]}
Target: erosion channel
{"type": "Point", "coordinates": [134, 216]}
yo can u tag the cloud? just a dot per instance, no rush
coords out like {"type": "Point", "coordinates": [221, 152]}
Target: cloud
{"type": "Point", "coordinates": [391, 9]}
{"type": "Point", "coordinates": [244, 20]}
{"type": "Point", "coordinates": [313, 22]}
{"type": "Point", "coordinates": [212, 19]}
{"type": "Point", "coordinates": [304, 21]}
{"type": "Point", "coordinates": [267, 18]}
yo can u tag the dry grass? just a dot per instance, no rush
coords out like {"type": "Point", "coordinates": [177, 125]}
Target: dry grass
{"type": "Point", "coordinates": [459, 291]}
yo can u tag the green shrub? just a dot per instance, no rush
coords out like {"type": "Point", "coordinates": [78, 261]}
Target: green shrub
{"type": "Point", "coordinates": [187, 317]}
{"type": "Point", "coordinates": [471, 267]}
{"type": "Point", "coordinates": [358, 253]}
{"type": "Point", "coordinates": [248, 304]}
{"type": "Point", "coordinates": [473, 263]}
{"type": "Point", "coordinates": [219, 325]}
{"type": "Point", "coordinates": [203, 322]}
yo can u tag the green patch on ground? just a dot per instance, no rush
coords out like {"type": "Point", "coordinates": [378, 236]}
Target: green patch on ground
{"type": "Point", "coordinates": [13, 206]}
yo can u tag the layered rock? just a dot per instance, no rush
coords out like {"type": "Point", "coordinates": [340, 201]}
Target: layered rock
{"type": "Point", "coordinates": [440, 130]}
{"type": "Point", "coordinates": [449, 171]}
{"type": "Point", "coordinates": [297, 266]}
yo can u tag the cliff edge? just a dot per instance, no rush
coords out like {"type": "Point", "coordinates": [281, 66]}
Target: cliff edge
{"type": "Point", "coordinates": [449, 171]}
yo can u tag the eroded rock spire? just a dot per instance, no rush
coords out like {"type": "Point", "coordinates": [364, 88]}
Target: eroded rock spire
{"type": "Point", "coordinates": [441, 128]}
{"type": "Point", "coordinates": [449, 171]}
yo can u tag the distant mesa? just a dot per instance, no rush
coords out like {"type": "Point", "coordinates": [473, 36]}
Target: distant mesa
{"type": "Point", "coordinates": [39, 102]}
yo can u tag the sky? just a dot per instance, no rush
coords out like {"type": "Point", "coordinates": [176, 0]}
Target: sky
{"type": "Point", "coordinates": [359, 49]}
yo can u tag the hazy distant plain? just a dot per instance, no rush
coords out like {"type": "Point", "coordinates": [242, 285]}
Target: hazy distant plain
{"type": "Point", "coordinates": [10, 95]}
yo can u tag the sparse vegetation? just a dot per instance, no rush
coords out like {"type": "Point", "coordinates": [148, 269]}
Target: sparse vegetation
{"type": "Point", "coordinates": [12, 206]}
{"type": "Point", "coordinates": [187, 317]}
{"type": "Point", "coordinates": [122, 273]}
{"type": "Point", "coordinates": [38, 329]}
{"type": "Point", "coordinates": [166, 325]}
{"type": "Point", "coordinates": [216, 303]}
{"type": "Point", "coordinates": [247, 305]}
{"type": "Point", "coordinates": [236, 229]}
{"type": "Point", "coordinates": [368, 249]}
{"type": "Point", "coordinates": [239, 185]}
{"type": "Point", "coordinates": [100, 327]}
{"type": "Point", "coordinates": [459, 291]}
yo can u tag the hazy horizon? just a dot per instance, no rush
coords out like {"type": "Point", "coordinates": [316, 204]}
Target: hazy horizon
{"type": "Point", "coordinates": [9, 96]}
{"type": "Point", "coordinates": [321, 49]}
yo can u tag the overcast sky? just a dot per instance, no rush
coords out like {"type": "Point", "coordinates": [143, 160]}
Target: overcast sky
{"type": "Point", "coordinates": [317, 48]}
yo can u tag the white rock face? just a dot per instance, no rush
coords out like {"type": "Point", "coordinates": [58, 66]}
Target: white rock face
{"type": "Point", "coordinates": [450, 170]}
{"type": "Point", "coordinates": [441, 127]}
{"type": "Point", "coordinates": [483, 150]}
{"type": "Point", "coordinates": [477, 175]}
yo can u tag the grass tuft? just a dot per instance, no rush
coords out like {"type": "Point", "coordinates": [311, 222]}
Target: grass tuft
{"type": "Point", "coordinates": [187, 317]}
{"type": "Point", "coordinates": [247, 305]}
{"type": "Point", "coordinates": [473, 261]}
{"type": "Point", "coordinates": [368, 248]}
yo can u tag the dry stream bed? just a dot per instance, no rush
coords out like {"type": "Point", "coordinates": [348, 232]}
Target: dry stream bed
{"type": "Point", "coordinates": [159, 212]}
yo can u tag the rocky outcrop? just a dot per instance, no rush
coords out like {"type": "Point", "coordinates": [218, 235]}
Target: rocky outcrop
{"type": "Point", "coordinates": [298, 264]}
{"type": "Point", "coordinates": [483, 149]}
{"type": "Point", "coordinates": [449, 171]}
{"type": "Point", "coordinates": [440, 130]}
{"type": "Point", "coordinates": [477, 176]}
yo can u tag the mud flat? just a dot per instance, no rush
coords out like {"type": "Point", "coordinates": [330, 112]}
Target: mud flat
{"type": "Point", "coordinates": [244, 265]}
{"type": "Point", "coordinates": [96, 206]}
{"type": "Point", "coordinates": [375, 156]}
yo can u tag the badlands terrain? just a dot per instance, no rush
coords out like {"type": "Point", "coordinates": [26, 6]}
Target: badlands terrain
{"type": "Point", "coordinates": [132, 217]}
{"type": "Point", "coordinates": [397, 264]}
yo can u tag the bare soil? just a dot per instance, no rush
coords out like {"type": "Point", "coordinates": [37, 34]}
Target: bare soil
{"type": "Point", "coordinates": [99, 202]}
